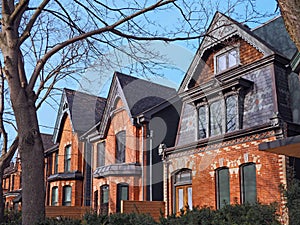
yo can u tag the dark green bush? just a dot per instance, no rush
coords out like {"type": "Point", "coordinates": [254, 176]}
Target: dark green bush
{"type": "Point", "coordinates": [60, 221]}
{"type": "Point", "coordinates": [131, 219]}
{"type": "Point", "coordinates": [12, 218]}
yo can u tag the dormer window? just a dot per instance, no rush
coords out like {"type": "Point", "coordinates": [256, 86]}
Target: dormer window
{"type": "Point", "coordinates": [226, 60]}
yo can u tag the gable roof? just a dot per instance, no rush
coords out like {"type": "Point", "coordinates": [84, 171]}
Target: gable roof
{"type": "Point", "coordinates": [137, 95]}
{"type": "Point", "coordinates": [222, 27]}
{"type": "Point", "coordinates": [84, 110]}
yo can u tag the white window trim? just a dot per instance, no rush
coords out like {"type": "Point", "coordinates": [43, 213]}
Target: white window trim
{"type": "Point", "coordinates": [223, 51]}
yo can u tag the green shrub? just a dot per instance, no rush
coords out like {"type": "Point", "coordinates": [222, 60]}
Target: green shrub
{"type": "Point", "coordinates": [12, 218]}
{"type": "Point", "coordinates": [131, 219]}
{"type": "Point", "coordinates": [60, 221]}
{"type": "Point", "coordinates": [95, 219]}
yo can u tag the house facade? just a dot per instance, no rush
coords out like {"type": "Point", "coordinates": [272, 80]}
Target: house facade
{"type": "Point", "coordinates": [65, 164]}
{"type": "Point", "coordinates": [124, 144]}
{"type": "Point", "coordinates": [235, 96]}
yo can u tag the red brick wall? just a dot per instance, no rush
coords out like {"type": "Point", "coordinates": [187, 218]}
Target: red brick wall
{"type": "Point", "coordinates": [120, 120]}
{"type": "Point", "coordinates": [269, 167]}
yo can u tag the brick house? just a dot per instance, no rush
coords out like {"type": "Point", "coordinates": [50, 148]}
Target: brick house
{"type": "Point", "coordinates": [235, 96]}
{"type": "Point", "coordinates": [65, 166]}
{"type": "Point", "coordinates": [125, 142]}
{"type": "Point", "coordinates": [12, 179]}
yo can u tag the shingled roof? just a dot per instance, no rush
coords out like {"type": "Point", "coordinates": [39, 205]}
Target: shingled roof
{"type": "Point", "coordinates": [85, 110]}
{"type": "Point", "coordinates": [141, 94]}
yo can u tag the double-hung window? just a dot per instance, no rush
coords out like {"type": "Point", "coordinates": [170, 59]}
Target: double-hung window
{"type": "Point", "coordinates": [122, 194]}
{"type": "Point", "coordinates": [120, 146]}
{"type": "Point", "coordinates": [67, 195]}
{"type": "Point", "coordinates": [222, 187]}
{"type": "Point", "coordinates": [226, 60]}
{"type": "Point", "coordinates": [248, 183]}
{"type": "Point", "coordinates": [54, 200]}
{"type": "Point", "coordinates": [68, 158]}
{"type": "Point", "coordinates": [101, 154]}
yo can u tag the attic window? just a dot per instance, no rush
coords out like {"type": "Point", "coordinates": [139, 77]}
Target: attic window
{"type": "Point", "coordinates": [226, 60]}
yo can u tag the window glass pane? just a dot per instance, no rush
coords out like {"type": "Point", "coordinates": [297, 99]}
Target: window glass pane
{"type": "Point", "coordinates": [68, 158]}
{"type": "Point", "coordinates": [221, 63]}
{"type": "Point", "coordinates": [54, 196]}
{"type": "Point", "coordinates": [104, 194]}
{"type": "Point", "coordinates": [202, 122]}
{"type": "Point", "coordinates": [232, 58]}
{"type": "Point", "coordinates": [231, 113]}
{"type": "Point", "coordinates": [101, 154]}
{"type": "Point", "coordinates": [216, 121]}
{"type": "Point", "coordinates": [249, 183]}
{"type": "Point", "coordinates": [67, 192]}
{"type": "Point", "coordinates": [56, 163]}
{"type": "Point", "coordinates": [190, 202]}
{"type": "Point", "coordinates": [180, 199]}
{"type": "Point", "coordinates": [223, 188]}
{"type": "Point", "coordinates": [120, 147]}
{"type": "Point", "coordinates": [124, 193]}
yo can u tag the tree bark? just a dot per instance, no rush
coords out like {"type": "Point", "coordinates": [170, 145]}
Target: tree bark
{"type": "Point", "coordinates": [290, 11]}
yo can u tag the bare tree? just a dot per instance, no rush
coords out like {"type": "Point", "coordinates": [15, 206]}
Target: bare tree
{"type": "Point", "coordinates": [290, 11]}
{"type": "Point", "coordinates": [44, 41]}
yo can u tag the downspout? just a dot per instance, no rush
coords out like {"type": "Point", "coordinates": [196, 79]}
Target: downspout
{"type": "Point", "coordinates": [142, 163]}
{"type": "Point", "coordinates": [150, 164]}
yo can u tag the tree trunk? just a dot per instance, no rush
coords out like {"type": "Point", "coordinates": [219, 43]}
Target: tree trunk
{"type": "Point", "coordinates": [32, 157]}
{"type": "Point", "coordinates": [290, 11]}
{"type": "Point", "coordinates": [30, 142]}
{"type": "Point", "coordinates": [2, 206]}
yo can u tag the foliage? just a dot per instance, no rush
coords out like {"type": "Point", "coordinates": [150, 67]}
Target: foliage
{"type": "Point", "coordinates": [246, 214]}
{"type": "Point", "coordinates": [131, 219]}
{"type": "Point", "coordinates": [12, 218]}
{"type": "Point", "coordinates": [292, 194]}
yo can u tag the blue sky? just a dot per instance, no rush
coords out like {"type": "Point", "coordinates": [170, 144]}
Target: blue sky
{"type": "Point", "coordinates": [179, 54]}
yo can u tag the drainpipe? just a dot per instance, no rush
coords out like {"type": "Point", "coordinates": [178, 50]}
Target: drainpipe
{"type": "Point", "coordinates": [142, 163]}
{"type": "Point", "coordinates": [150, 172]}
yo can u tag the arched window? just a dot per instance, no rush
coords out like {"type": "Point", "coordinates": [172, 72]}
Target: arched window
{"type": "Point", "coordinates": [120, 146]}
{"type": "Point", "coordinates": [222, 187]}
{"type": "Point", "coordinates": [183, 190]}
{"type": "Point", "coordinates": [100, 154]}
{"type": "Point", "coordinates": [122, 194]}
{"type": "Point", "coordinates": [67, 195]}
{"type": "Point", "coordinates": [104, 199]}
{"type": "Point", "coordinates": [248, 183]}
{"type": "Point", "coordinates": [54, 197]}
{"type": "Point", "coordinates": [68, 158]}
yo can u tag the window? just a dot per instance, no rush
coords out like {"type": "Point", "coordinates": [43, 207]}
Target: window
{"type": "Point", "coordinates": [183, 190]}
{"type": "Point", "coordinates": [67, 194]}
{"type": "Point", "coordinates": [216, 118]}
{"type": "Point", "coordinates": [222, 187]}
{"type": "Point", "coordinates": [101, 154]}
{"type": "Point", "coordinates": [226, 60]}
{"type": "Point", "coordinates": [248, 183]}
{"type": "Point", "coordinates": [120, 146]}
{"type": "Point", "coordinates": [231, 113]}
{"type": "Point", "coordinates": [54, 199]}
{"type": "Point", "coordinates": [68, 158]}
{"type": "Point", "coordinates": [104, 199]}
{"type": "Point", "coordinates": [56, 163]}
{"type": "Point", "coordinates": [202, 123]}
{"type": "Point", "coordinates": [223, 116]}
{"type": "Point", "coordinates": [122, 194]}
{"type": "Point", "coordinates": [96, 201]}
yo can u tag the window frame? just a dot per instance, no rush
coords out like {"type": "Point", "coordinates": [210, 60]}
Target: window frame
{"type": "Point", "coordinates": [65, 200]}
{"type": "Point", "coordinates": [182, 180]}
{"type": "Point", "coordinates": [104, 204]}
{"type": "Point", "coordinates": [54, 195]}
{"type": "Point", "coordinates": [120, 153]}
{"type": "Point", "coordinates": [119, 196]}
{"type": "Point", "coordinates": [224, 114]}
{"type": "Point", "coordinates": [243, 180]}
{"type": "Point", "coordinates": [226, 52]}
{"type": "Point", "coordinates": [219, 201]}
{"type": "Point", "coordinates": [101, 154]}
{"type": "Point", "coordinates": [68, 157]}
{"type": "Point", "coordinates": [55, 163]}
